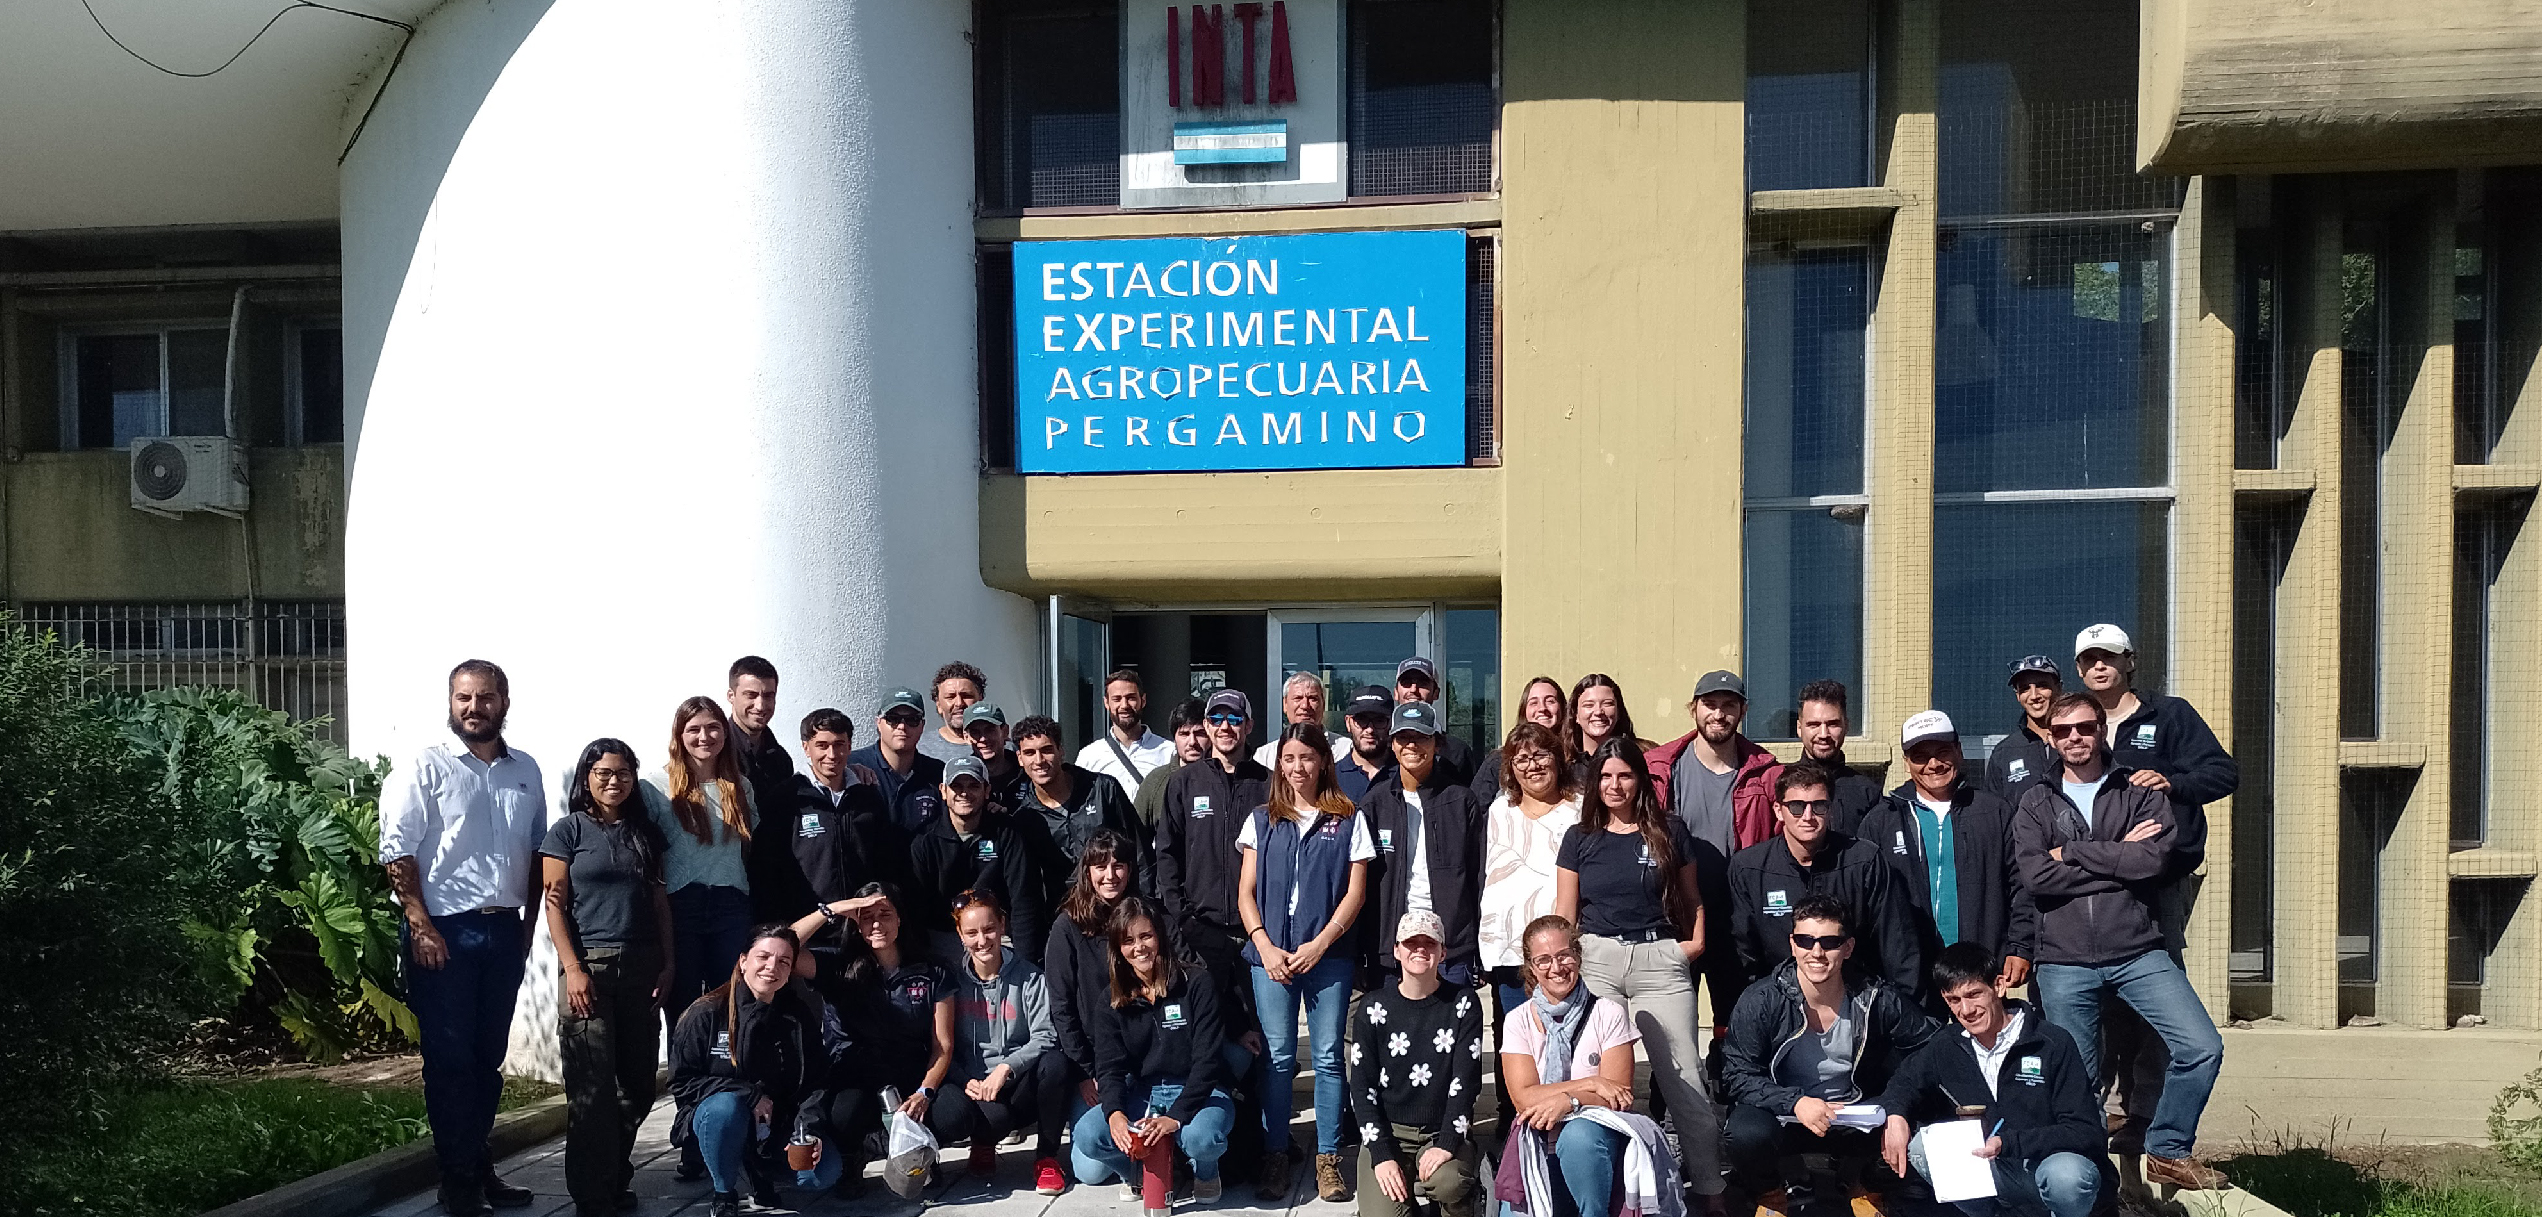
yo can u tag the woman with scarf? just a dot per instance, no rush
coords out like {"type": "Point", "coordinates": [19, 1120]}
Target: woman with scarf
{"type": "Point", "coordinates": [1561, 1052]}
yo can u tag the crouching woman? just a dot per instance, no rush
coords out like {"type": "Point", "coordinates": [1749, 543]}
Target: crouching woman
{"type": "Point", "coordinates": [1159, 1079]}
{"type": "Point", "coordinates": [743, 1058]}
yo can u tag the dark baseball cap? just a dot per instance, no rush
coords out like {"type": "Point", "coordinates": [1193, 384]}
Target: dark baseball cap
{"type": "Point", "coordinates": [1419, 717]}
{"type": "Point", "coordinates": [1370, 699]}
{"type": "Point", "coordinates": [902, 698]}
{"type": "Point", "coordinates": [966, 767]}
{"type": "Point", "coordinates": [1230, 699]}
{"type": "Point", "coordinates": [2038, 664]}
{"type": "Point", "coordinates": [982, 712]}
{"type": "Point", "coordinates": [1427, 670]}
{"type": "Point", "coordinates": [1718, 681]}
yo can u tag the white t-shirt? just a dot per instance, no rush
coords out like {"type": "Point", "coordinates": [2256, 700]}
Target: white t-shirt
{"type": "Point", "coordinates": [1362, 846]}
{"type": "Point", "coordinates": [1268, 755]}
{"type": "Point", "coordinates": [1941, 810]}
{"type": "Point", "coordinates": [1416, 892]}
{"type": "Point", "coordinates": [1518, 866]}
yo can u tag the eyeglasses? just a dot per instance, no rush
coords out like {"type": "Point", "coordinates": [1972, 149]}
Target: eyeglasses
{"type": "Point", "coordinates": [1226, 718]}
{"type": "Point", "coordinates": [1546, 963]}
{"type": "Point", "coordinates": [1531, 760]}
{"type": "Point", "coordinates": [1821, 942]}
{"type": "Point", "coordinates": [612, 777]}
{"type": "Point", "coordinates": [1807, 809]}
{"type": "Point", "coordinates": [2067, 730]}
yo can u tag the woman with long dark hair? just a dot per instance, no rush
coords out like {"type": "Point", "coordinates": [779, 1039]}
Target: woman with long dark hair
{"type": "Point", "coordinates": [601, 866]}
{"type": "Point", "coordinates": [1076, 965]}
{"type": "Point", "coordinates": [1304, 877]}
{"type": "Point", "coordinates": [702, 805]}
{"type": "Point", "coordinates": [745, 1055]}
{"type": "Point", "coordinates": [1626, 877]}
{"type": "Point", "coordinates": [897, 1009]}
{"type": "Point", "coordinates": [1160, 1084]}
{"type": "Point", "coordinates": [1598, 714]}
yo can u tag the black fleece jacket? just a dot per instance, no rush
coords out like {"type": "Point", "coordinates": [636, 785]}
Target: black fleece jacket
{"type": "Point", "coordinates": [1995, 908]}
{"type": "Point", "coordinates": [1770, 1015]}
{"type": "Point", "coordinates": [1452, 831]}
{"type": "Point", "coordinates": [2039, 1093]}
{"type": "Point", "coordinates": [729, 1040]}
{"type": "Point", "coordinates": [1855, 795]}
{"type": "Point", "coordinates": [1001, 860]}
{"type": "Point", "coordinates": [2166, 735]}
{"type": "Point", "coordinates": [2096, 902]}
{"type": "Point", "coordinates": [1196, 861]}
{"type": "Point", "coordinates": [833, 848]}
{"type": "Point", "coordinates": [1177, 1039]}
{"type": "Point", "coordinates": [1094, 803]}
{"type": "Point", "coordinates": [2021, 761]}
{"type": "Point", "coordinates": [1078, 969]}
{"type": "Point", "coordinates": [1766, 884]}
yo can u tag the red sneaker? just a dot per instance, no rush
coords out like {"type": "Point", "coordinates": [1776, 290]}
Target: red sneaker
{"type": "Point", "coordinates": [1047, 1178]}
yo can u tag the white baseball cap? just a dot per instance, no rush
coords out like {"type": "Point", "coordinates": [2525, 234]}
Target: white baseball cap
{"type": "Point", "coordinates": [1929, 725]}
{"type": "Point", "coordinates": [2104, 637]}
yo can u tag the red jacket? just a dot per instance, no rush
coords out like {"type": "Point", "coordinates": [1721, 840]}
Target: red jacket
{"type": "Point", "coordinates": [1751, 793]}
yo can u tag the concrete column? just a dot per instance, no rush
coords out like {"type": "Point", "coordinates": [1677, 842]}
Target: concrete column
{"type": "Point", "coordinates": [1897, 642]}
{"type": "Point", "coordinates": [2513, 996]}
{"type": "Point", "coordinates": [661, 322]}
{"type": "Point", "coordinates": [2306, 894]}
{"type": "Point", "coordinates": [2201, 642]}
{"type": "Point", "coordinates": [1623, 250]}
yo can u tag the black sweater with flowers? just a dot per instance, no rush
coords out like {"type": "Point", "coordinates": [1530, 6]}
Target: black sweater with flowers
{"type": "Point", "coordinates": [1417, 1063]}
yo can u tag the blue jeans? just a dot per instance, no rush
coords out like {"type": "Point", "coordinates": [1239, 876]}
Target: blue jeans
{"type": "Point", "coordinates": [464, 1009]}
{"type": "Point", "coordinates": [710, 928]}
{"type": "Point", "coordinates": [1326, 991]}
{"type": "Point", "coordinates": [2070, 996]}
{"type": "Point", "coordinates": [724, 1128]}
{"type": "Point", "coordinates": [1588, 1156]}
{"type": "Point", "coordinates": [1204, 1138]}
{"type": "Point", "coordinates": [2066, 1183]}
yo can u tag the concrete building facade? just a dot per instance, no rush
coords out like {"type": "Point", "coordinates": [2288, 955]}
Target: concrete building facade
{"type": "Point", "coordinates": [1883, 340]}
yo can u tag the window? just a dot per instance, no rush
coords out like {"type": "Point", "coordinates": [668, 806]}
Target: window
{"type": "Point", "coordinates": [287, 654]}
{"type": "Point", "coordinates": [1809, 94]}
{"type": "Point", "coordinates": [2370, 803]}
{"type": "Point", "coordinates": [1050, 104]}
{"type": "Point", "coordinates": [2019, 578]}
{"type": "Point", "coordinates": [1807, 314]}
{"type": "Point", "coordinates": [2484, 530]}
{"type": "Point", "coordinates": [2476, 918]}
{"type": "Point", "coordinates": [153, 382]}
{"type": "Point", "coordinates": [2038, 110]}
{"type": "Point", "coordinates": [1471, 674]}
{"type": "Point", "coordinates": [1421, 107]}
{"type": "Point", "coordinates": [2263, 394]}
{"type": "Point", "coordinates": [2263, 537]}
{"type": "Point", "coordinates": [317, 384]}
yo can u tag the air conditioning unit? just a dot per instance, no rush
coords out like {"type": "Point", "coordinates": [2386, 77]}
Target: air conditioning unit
{"type": "Point", "coordinates": [174, 474]}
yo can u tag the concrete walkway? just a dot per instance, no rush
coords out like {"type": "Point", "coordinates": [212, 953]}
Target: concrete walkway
{"type": "Point", "coordinates": [1008, 1194]}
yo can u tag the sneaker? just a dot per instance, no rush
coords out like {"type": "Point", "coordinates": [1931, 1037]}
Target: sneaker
{"type": "Point", "coordinates": [1329, 1183]}
{"type": "Point", "coordinates": [1130, 1191]}
{"type": "Point", "coordinates": [503, 1195]}
{"type": "Point", "coordinates": [2184, 1174]}
{"type": "Point", "coordinates": [983, 1156]}
{"type": "Point", "coordinates": [1207, 1191]}
{"type": "Point", "coordinates": [726, 1204]}
{"type": "Point", "coordinates": [1047, 1178]}
{"type": "Point", "coordinates": [1273, 1181]}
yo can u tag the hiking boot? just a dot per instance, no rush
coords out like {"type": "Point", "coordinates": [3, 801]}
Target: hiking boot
{"type": "Point", "coordinates": [1047, 1178]}
{"type": "Point", "coordinates": [726, 1204]}
{"type": "Point", "coordinates": [1272, 1183]}
{"type": "Point", "coordinates": [2184, 1174]}
{"type": "Point", "coordinates": [503, 1195]}
{"type": "Point", "coordinates": [463, 1198]}
{"type": "Point", "coordinates": [983, 1156]}
{"type": "Point", "coordinates": [1330, 1185]}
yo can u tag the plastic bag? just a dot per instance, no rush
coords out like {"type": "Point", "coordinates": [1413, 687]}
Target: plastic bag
{"type": "Point", "coordinates": [913, 1150]}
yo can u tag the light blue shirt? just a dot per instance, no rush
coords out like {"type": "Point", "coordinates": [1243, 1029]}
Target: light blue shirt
{"type": "Point", "coordinates": [689, 860]}
{"type": "Point", "coordinates": [2083, 794]}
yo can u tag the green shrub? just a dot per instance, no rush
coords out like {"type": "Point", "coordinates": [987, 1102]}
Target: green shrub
{"type": "Point", "coordinates": [2515, 1122]}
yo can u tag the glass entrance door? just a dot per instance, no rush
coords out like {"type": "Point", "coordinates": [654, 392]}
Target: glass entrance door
{"type": "Point", "coordinates": [1346, 648]}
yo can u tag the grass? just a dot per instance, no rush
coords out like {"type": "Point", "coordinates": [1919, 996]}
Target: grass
{"type": "Point", "coordinates": [2451, 1181]}
{"type": "Point", "coordinates": [183, 1146]}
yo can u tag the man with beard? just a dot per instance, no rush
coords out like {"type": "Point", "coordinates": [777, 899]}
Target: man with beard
{"type": "Point", "coordinates": [459, 835]}
{"type": "Point", "coordinates": [1371, 759]}
{"type": "Point", "coordinates": [1826, 718]}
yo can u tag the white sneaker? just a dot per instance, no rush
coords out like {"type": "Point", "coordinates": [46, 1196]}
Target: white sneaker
{"type": "Point", "coordinates": [1130, 1193]}
{"type": "Point", "coordinates": [1207, 1191]}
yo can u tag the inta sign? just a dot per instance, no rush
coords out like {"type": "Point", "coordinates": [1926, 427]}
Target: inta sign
{"type": "Point", "coordinates": [1341, 350]}
{"type": "Point", "coordinates": [1232, 104]}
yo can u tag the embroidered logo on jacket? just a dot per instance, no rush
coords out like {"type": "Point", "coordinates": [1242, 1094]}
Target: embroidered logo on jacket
{"type": "Point", "coordinates": [2018, 771]}
{"type": "Point", "coordinates": [2144, 735]}
{"type": "Point", "coordinates": [1777, 904]}
{"type": "Point", "coordinates": [2031, 1074]}
{"type": "Point", "coordinates": [1200, 807]}
{"type": "Point", "coordinates": [1385, 840]}
{"type": "Point", "coordinates": [1173, 1015]}
{"type": "Point", "coordinates": [988, 850]}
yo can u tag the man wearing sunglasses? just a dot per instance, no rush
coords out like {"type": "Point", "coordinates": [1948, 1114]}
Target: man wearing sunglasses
{"type": "Point", "coordinates": [1197, 865]}
{"type": "Point", "coordinates": [1769, 879]}
{"type": "Point", "coordinates": [909, 779]}
{"type": "Point", "coordinates": [1949, 849]}
{"type": "Point", "coordinates": [2095, 849]}
{"type": "Point", "coordinates": [1808, 1048]}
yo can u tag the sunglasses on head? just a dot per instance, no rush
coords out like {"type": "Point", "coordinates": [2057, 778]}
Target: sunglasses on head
{"type": "Point", "coordinates": [1821, 942]}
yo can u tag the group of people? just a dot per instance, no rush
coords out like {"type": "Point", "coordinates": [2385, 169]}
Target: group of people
{"type": "Point", "coordinates": [956, 928]}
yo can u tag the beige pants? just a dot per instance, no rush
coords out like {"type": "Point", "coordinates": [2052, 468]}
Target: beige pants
{"type": "Point", "coordinates": [1655, 984]}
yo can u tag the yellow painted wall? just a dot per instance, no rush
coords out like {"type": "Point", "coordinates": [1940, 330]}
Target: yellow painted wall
{"type": "Point", "coordinates": [72, 535]}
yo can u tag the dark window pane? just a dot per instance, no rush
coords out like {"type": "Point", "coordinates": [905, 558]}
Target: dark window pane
{"type": "Point", "coordinates": [1806, 316]}
{"type": "Point", "coordinates": [1051, 80]}
{"type": "Point", "coordinates": [2014, 579]}
{"type": "Point", "coordinates": [1803, 611]}
{"type": "Point", "coordinates": [2370, 803]}
{"type": "Point", "coordinates": [1472, 675]}
{"type": "Point", "coordinates": [997, 356]}
{"type": "Point", "coordinates": [2261, 401]}
{"type": "Point", "coordinates": [1808, 94]}
{"type": "Point", "coordinates": [2051, 360]}
{"type": "Point", "coordinates": [2483, 533]}
{"type": "Point", "coordinates": [198, 363]}
{"type": "Point", "coordinates": [2038, 109]}
{"type": "Point", "coordinates": [2262, 538]}
{"type": "Point", "coordinates": [1421, 104]}
{"type": "Point", "coordinates": [1482, 349]}
{"type": "Point", "coordinates": [321, 386]}
{"type": "Point", "coordinates": [118, 389]}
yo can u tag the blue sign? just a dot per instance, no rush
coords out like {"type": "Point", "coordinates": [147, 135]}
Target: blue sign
{"type": "Point", "coordinates": [1340, 350]}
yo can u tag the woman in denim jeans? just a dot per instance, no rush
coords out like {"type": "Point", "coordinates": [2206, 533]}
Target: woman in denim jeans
{"type": "Point", "coordinates": [1305, 875]}
{"type": "Point", "coordinates": [1159, 1081]}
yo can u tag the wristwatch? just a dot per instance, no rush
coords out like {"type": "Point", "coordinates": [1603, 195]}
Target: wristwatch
{"type": "Point", "coordinates": [1575, 1105]}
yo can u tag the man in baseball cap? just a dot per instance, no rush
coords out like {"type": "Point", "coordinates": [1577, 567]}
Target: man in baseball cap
{"type": "Point", "coordinates": [1417, 679]}
{"type": "Point", "coordinates": [973, 845]}
{"type": "Point", "coordinates": [1947, 842]}
{"type": "Point", "coordinates": [1370, 716]}
{"type": "Point", "coordinates": [1429, 845]}
{"type": "Point", "coordinates": [985, 725]}
{"type": "Point", "coordinates": [1415, 1108]}
{"type": "Point", "coordinates": [2025, 757]}
{"type": "Point", "coordinates": [908, 778]}
{"type": "Point", "coordinates": [1197, 864]}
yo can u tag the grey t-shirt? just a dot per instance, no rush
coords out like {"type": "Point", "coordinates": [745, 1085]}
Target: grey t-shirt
{"type": "Point", "coordinates": [1702, 800]}
{"type": "Point", "coordinates": [933, 743]}
{"type": "Point", "coordinates": [612, 889]}
{"type": "Point", "coordinates": [1821, 1064]}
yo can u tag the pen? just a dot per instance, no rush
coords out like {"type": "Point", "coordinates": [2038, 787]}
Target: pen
{"type": "Point", "coordinates": [1999, 1127]}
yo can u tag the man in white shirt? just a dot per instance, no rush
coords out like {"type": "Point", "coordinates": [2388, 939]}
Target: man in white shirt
{"type": "Point", "coordinates": [459, 834]}
{"type": "Point", "coordinates": [1302, 701]}
{"type": "Point", "coordinates": [1128, 751]}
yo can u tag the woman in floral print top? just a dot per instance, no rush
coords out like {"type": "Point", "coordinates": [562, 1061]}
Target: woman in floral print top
{"type": "Point", "coordinates": [1416, 1060]}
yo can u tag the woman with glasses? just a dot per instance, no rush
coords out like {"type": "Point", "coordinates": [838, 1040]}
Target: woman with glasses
{"type": "Point", "coordinates": [609, 919]}
{"type": "Point", "coordinates": [1626, 876]}
{"type": "Point", "coordinates": [1538, 805]}
{"type": "Point", "coordinates": [1563, 1051]}
{"type": "Point", "coordinates": [1304, 876]}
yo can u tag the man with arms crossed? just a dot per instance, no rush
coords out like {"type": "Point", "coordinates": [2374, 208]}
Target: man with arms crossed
{"type": "Point", "coordinates": [459, 834]}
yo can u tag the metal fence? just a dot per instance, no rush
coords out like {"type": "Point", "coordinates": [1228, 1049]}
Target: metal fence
{"type": "Point", "coordinates": [287, 654]}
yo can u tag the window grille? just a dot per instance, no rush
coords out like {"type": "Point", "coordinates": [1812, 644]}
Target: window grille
{"type": "Point", "coordinates": [1422, 103]}
{"type": "Point", "coordinates": [1050, 104]}
{"type": "Point", "coordinates": [287, 654]}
